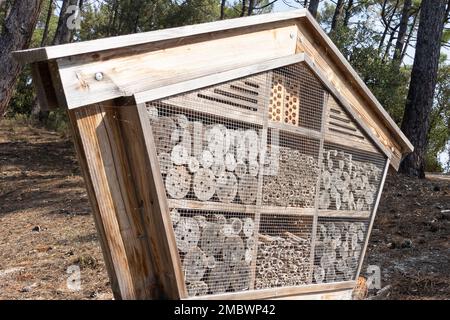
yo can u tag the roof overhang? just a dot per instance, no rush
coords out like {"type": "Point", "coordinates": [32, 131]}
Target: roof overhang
{"type": "Point", "coordinates": [162, 62]}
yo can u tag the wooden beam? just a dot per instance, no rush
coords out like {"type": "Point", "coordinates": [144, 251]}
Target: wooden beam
{"type": "Point", "coordinates": [132, 72]}
{"type": "Point", "coordinates": [86, 47]}
{"type": "Point", "coordinates": [372, 219]}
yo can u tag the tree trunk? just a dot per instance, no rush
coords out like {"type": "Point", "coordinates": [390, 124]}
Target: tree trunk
{"type": "Point", "coordinates": [64, 33]}
{"type": "Point", "coordinates": [222, 9]}
{"type": "Point", "coordinates": [314, 7]}
{"type": "Point", "coordinates": [16, 35]}
{"type": "Point", "coordinates": [402, 32]}
{"type": "Point", "coordinates": [47, 23]}
{"type": "Point", "coordinates": [416, 120]}
{"type": "Point", "coordinates": [337, 16]}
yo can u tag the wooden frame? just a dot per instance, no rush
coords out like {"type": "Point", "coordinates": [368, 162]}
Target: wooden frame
{"type": "Point", "coordinates": [105, 85]}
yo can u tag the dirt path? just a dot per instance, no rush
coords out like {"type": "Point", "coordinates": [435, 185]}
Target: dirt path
{"type": "Point", "coordinates": [41, 189]}
{"type": "Point", "coordinates": [45, 222]}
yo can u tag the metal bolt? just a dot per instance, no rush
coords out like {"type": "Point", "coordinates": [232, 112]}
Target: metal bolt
{"type": "Point", "coordinates": [99, 76]}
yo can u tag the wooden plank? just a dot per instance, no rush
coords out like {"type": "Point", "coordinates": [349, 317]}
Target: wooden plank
{"type": "Point", "coordinates": [295, 129]}
{"type": "Point", "coordinates": [66, 50]}
{"type": "Point", "coordinates": [136, 72]}
{"type": "Point", "coordinates": [350, 142]}
{"type": "Point", "coordinates": [333, 295]}
{"type": "Point", "coordinates": [372, 220]}
{"type": "Point", "coordinates": [280, 292]}
{"type": "Point", "coordinates": [212, 206]}
{"type": "Point", "coordinates": [287, 211]}
{"type": "Point", "coordinates": [344, 214]}
{"type": "Point", "coordinates": [347, 106]}
{"type": "Point", "coordinates": [215, 78]}
{"type": "Point", "coordinates": [157, 216]}
{"type": "Point", "coordinates": [127, 253]}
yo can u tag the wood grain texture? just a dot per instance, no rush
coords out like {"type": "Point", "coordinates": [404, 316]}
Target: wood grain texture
{"type": "Point", "coordinates": [345, 80]}
{"type": "Point", "coordinates": [281, 292]}
{"type": "Point", "coordinates": [54, 52]}
{"type": "Point", "coordinates": [215, 78]}
{"type": "Point", "coordinates": [136, 72]}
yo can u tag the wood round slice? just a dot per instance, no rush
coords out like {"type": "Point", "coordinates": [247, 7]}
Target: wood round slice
{"type": "Point", "coordinates": [178, 182]}
{"type": "Point", "coordinates": [226, 187]}
{"type": "Point", "coordinates": [233, 250]}
{"type": "Point", "coordinates": [207, 159]}
{"type": "Point", "coordinates": [187, 234]}
{"type": "Point", "coordinates": [175, 216]}
{"type": "Point", "coordinates": [152, 113]}
{"type": "Point", "coordinates": [253, 168]}
{"type": "Point", "coordinates": [162, 130]}
{"type": "Point", "coordinates": [193, 165]}
{"type": "Point", "coordinates": [212, 239]}
{"type": "Point", "coordinates": [219, 278]}
{"type": "Point", "coordinates": [319, 274]}
{"type": "Point", "coordinates": [179, 155]}
{"type": "Point", "coordinates": [230, 162]}
{"type": "Point", "coordinates": [204, 184]}
{"type": "Point", "coordinates": [241, 277]}
{"type": "Point", "coordinates": [247, 189]}
{"type": "Point", "coordinates": [194, 265]}
{"type": "Point", "coordinates": [248, 227]}
{"type": "Point", "coordinates": [165, 162]}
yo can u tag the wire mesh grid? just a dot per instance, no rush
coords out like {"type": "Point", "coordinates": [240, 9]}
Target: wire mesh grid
{"type": "Point", "coordinates": [216, 249]}
{"type": "Point", "coordinates": [291, 170]}
{"type": "Point", "coordinates": [284, 251]}
{"type": "Point", "coordinates": [349, 178]}
{"type": "Point", "coordinates": [338, 246]}
{"type": "Point", "coordinates": [205, 157]}
{"type": "Point", "coordinates": [297, 97]}
{"type": "Point", "coordinates": [208, 154]}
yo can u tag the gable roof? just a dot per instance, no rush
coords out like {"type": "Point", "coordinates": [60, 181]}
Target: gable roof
{"type": "Point", "coordinates": [300, 18]}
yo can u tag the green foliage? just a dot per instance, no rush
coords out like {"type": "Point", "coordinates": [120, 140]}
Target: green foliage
{"type": "Point", "coordinates": [439, 133]}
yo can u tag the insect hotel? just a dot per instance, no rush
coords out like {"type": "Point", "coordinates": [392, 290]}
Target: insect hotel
{"type": "Point", "coordinates": [239, 159]}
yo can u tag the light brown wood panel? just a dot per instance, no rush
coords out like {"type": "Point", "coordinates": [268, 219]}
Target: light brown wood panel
{"type": "Point", "coordinates": [95, 143]}
{"type": "Point", "coordinates": [281, 292]}
{"type": "Point", "coordinates": [136, 72]}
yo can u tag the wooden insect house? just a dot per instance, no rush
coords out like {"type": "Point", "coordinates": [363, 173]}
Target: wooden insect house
{"type": "Point", "coordinates": [234, 159]}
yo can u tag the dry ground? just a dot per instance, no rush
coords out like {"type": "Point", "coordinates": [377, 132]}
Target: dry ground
{"type": "Point", "coordinates": [46, 226]}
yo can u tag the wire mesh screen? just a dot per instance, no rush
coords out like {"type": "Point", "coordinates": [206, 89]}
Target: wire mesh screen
{"type": "Point", "coordinates": [291, 170]}
{"type": "Point", "coordinates": [338, 246]}
{"type": "Point", "coordinates": [349, 178]}
{"type": "Point", "coordinates": [204, 157]}
{"type": "Point", "coordinates": [216, 249]}
{"type": "Point", "coordinates": [284, 251]}
{"type": "Point", "coordinates": [297, 97]}
{"type": "Point", "coordinates": [245, 190]}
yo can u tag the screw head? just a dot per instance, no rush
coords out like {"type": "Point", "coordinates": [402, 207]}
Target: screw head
{"type": "Point", "coordinates": [99, 76]}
